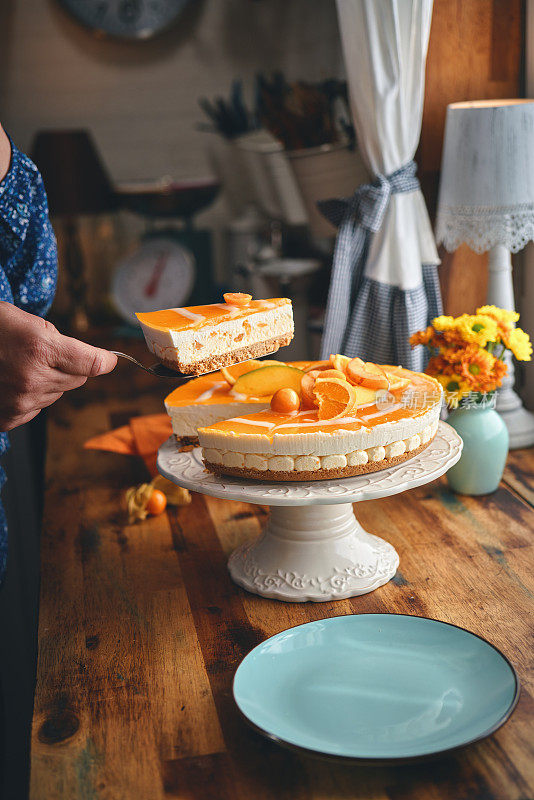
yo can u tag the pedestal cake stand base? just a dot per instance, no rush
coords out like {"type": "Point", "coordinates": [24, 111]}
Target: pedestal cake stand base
{"type": "Point", "coordinates": [313, 553]}
{"type": "Point", "coordinates": [313, 547]}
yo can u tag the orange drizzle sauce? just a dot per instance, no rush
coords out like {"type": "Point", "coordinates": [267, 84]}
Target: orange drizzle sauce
{"type": "Point", "coordinates": [194, 317]}
{"type": "Point", "coordinates": [207, 390]}
{"type": "Point", "coordinates": [270, 423]}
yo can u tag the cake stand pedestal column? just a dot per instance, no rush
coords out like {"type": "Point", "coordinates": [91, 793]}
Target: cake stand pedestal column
{"type": "Point", "coordinates": [313, 547]}
{"type": "Point", "coordinates": [313, 553]}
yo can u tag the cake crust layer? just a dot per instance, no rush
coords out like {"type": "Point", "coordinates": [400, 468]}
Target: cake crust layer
{"type": "Point", "coordinates": [316, 475]}
{"type": "Point", "coordinates": [185, 441]}
{"type": "Point", "coordinates": [228, 359]}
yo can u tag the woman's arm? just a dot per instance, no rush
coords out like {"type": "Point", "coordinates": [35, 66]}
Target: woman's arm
{"type": "Point", "coordinates": [37, 363]}
{"type": "Point", "coordinates": [5, 154]}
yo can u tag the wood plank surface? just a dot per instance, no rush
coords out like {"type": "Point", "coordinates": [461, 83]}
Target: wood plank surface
{"type": "Point", "coordinates": [141, 628]}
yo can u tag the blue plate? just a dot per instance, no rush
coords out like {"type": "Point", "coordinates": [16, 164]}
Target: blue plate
{"type": "Point", "coordinates": [376, 687]}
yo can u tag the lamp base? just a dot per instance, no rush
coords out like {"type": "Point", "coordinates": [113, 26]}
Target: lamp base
{"type": "Point", "coordinates": [519, 421]}
{"type": "Point", "coordinates": [520, 424]}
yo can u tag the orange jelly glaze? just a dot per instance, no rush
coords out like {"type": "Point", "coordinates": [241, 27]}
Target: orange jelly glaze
{"type": "Point", "coordinates": [267, 423]}
{"type": "Point", "coordinates": [213, 389]}
{"type": "Point", "coordinates": [197, 316]}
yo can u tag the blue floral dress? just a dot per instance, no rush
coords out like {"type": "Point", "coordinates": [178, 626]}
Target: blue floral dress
{"type": "Point", "coordinates": [28, 262]}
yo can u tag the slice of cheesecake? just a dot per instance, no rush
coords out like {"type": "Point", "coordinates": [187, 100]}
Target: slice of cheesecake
{"type": "Point", "coordinates": [200, 339]}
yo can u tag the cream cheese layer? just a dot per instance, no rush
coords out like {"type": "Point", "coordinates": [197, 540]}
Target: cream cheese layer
{"type": "Point", "coordinates": [304, 434]}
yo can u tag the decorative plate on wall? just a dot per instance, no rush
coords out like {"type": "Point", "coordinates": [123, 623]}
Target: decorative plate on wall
{"type": "Point", "coordinates": [125, 19]}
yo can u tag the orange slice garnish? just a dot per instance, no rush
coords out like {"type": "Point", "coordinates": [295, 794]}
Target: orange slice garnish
{"type": "Point", "coordinates": [240, 299]}
{"type": "Point", "coordinates": [308, 382]}
{"type": "Point", "coordinates": [396, 383]}
{"type": "Point", "coordinates": [306, 387]}
{"type": "Point", "coordinates": [333, 373]}
{"type": "Point", "coordinates": [366, 374]}
{"type": "Point", "coordinates": [335, 397]}
{"type": "Point", "coordinates": [340, 362]}
{"type": "Point", "coordinates": [318, 365]}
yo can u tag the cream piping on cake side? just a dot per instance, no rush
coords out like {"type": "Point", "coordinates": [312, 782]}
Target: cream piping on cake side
{"type": "Point", "coordinates": [267, 462]}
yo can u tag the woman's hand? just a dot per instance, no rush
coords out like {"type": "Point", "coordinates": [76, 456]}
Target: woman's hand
{"type": "Point", "coordinates": [38, 364]}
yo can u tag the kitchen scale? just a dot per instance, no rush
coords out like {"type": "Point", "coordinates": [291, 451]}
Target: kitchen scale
{"type": "Point", "coordinates": [313, 547]}
{"type": "Point", "coordinates": [173, 265]}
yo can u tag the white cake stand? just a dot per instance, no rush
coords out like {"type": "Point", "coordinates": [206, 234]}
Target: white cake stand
{"type": "Point", "coordinates": [313, 547]}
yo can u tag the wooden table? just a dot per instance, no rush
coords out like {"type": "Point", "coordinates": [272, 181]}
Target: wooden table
{"type": "Point", "coordinates": [141, 628]}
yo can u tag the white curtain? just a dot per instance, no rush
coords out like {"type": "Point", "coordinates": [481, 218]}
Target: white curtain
{"type": "Point", "coordinates": [385, 44]}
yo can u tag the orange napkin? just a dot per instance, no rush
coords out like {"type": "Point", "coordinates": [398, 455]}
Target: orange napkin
{"type": "Point", "coordinates": [142, 437]}
{"type": "Point", "coordinates": [120, 440]}
{"type": "Point", "coordinates": [149, 433]}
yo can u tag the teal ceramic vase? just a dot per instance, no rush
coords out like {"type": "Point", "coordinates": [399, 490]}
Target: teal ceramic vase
{"type": "Point", "coordinates": [485, 438]}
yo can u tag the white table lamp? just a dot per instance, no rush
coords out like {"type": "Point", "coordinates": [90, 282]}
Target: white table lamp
{"type": "Point", "coordinates": [486, 200]}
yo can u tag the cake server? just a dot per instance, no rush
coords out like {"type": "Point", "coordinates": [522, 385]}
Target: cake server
{"type": "Point", "coordinates": [161, 371]}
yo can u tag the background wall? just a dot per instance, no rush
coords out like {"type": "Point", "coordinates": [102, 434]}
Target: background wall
{"type": "Point", "coordinates": [140, 100]}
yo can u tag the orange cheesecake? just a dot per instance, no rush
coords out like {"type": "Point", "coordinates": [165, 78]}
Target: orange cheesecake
{"type": "Point", "coordinates": [201, 339]}
{"type": "Point", "coordinates": [347, 419]}
{"type": "Point", "coordinates": [210, 398]}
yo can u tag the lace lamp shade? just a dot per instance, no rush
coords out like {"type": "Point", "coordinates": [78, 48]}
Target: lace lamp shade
{"type": "Point", "coordinates": [486, 195]}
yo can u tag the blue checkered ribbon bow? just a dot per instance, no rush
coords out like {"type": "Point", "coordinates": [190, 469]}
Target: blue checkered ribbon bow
{"type": "Point", "coordinates": [356, 217]}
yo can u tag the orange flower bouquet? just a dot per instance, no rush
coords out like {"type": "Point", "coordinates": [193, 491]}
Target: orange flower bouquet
{"type": "Point", "coordinates": [467, 352]}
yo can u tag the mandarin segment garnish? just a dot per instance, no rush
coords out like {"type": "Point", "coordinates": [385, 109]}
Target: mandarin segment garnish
{"type": "Point", "coordinates": [335, 397]}
{"type": "Point", "coordinates": [366, 374]}
{"type": "Point", "coordinates": [339, 362]}
{"type": "Point", "coordinates": [285, 400]}
{"type": "Point", "coordinates": [396, 382]}
{"type": "Point", "coordinates": [333, 373]}
{"type": "Point", "coordinates": [318, 365]}
{"type": "Point", "coordinates": [240, 299]}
